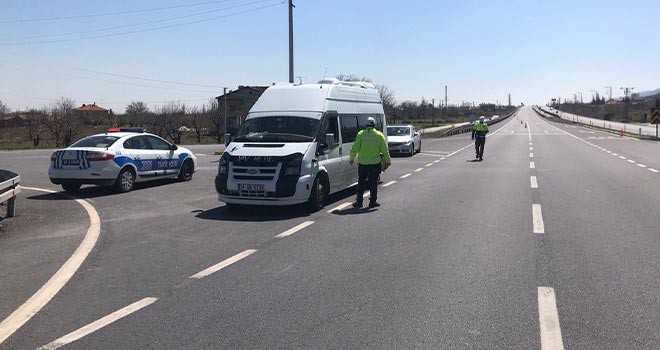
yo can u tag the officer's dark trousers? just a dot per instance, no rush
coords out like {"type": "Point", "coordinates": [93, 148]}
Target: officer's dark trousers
{"type": "Point", "coordinates": [368, 178]}
{"type": "Point", "coordinates": [479, 144]}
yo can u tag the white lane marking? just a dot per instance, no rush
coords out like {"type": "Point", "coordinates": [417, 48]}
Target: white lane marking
{"type": "Point", "coordinates": [221, 265]}
{"type": "Point", "coordinates": [653, 170]}
{"type": "Point", "coordinates": [98, 324]}
{"type": "Point", "coordinates": [39, 299]}
{"type": "Point", "coordinates": [365, 194]}
{"type": "Point", "coordinates": [531, 154]}
{"type": "Point", "coordinates": [405, 176]}
{"type": "Point", "coordinates": [631, 161]}
{"type": "Point", "coordinates": [389, 183]}
{"type": "Point", "coordinates": [531, 148]}
{"type": "Point", "coordinates": [428, 165]}
{"type": "Point", "coordinates": [418, 170]}
{"type": "Point", "coordinates": [537, 219]}
{"type": "Point", "coordinates": [615, 154]}
{"type": "Point", "coordinates": [549, 320]}
{"type": "Point", "coordinates": [641, 165]}
{"type": "Point", "coordinates": [546, 131]}
{"type": "Point", "coordinates": [533, 181]}
{"type": "Point", "coordinates": [295, 229]}
{"type": "Point", "coordinates": [436, 161]}
{"type": "Point", "coordinates": [200, 154]}
{"type": "Point", "coordinates": [622, 157]}
{"type": "Point", "coordinates": [532, 165]}
{"type": "Point", "coordinates": [610, 152]}
{"type": "Point", "coordinates": [340, 207]}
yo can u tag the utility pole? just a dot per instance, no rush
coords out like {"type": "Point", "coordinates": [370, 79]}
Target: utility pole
{"type": "Point", "coordinates": [445, 96]}
{"type": "Point", "coordinates": [291, 41]}
{"type": "Point", "coordinates": [581, 101]}
{"type": "Point", "coordinates": [225, 106]}
{"type": "Point", "coordinates": [626, 99]}
{"type": "Point", "coordinates": [575, 98]}
{"type": "Point", "coordinates": [594, 93]}
{"type": "Point", "coordinates": [509, 100]}
{"type": "Point", "coordinates": [609, 88]}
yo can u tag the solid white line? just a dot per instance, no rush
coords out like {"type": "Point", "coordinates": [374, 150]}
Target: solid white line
{"type": "Point", "coordinates": [389, 183]}
{"type": "Point", "coordinates": [428, 165]}
{"type": "Point", "coordinates": [537, 219]}
{"type": "Point", "coordinates": [221, 265]}
{"type": "Point", "coordinates": [531, 154]}
{"type": "Point", "coordinates": [405, 176]}
{"type": "Point", "coordinates": [532, 165]}
{"type": "Point", "coordinates": [98, 324]}
{"type": "Point", "coordinates": [295, 229]}
{"type": "Point", "coordinates": [533, 181]}
{"type": "Point", "coordinates": [39, 299]}
{"type": "Point", "coordinates": [436, 161]}
{"type": "Point", "coordinates": [641, 165]}
{"type": "Point", "coordinates": [419, 169]}
{"type": "Point", "coordinates": [549, 320]}
{"type": "Point", "coordinates": [653, 170]}
{"type": "Point", "coordinates": [340, 207]}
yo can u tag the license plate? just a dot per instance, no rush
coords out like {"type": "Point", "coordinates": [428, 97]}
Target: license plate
{"type": "Point", "coordinates": [250, 187]}
{"type": "Point", "coordinates": [70, 161]}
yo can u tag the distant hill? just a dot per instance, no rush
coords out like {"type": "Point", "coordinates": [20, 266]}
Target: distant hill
{"type": "Point", "coordinates": [649, 93]}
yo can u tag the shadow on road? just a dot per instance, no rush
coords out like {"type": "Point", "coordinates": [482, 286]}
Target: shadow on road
{"type": "Point", "coordinates": [103, 191]}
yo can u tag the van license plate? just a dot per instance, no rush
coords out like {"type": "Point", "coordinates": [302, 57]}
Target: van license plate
{"type": "Point", "coordinates": [70, 161]}
{"type": "Point", "coordinates": [250, 187]}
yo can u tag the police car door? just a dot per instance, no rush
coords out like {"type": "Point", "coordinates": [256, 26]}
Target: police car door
{"type": "Point", "coordinates": [167, 160]}
{"type": "Point", "coordinates": [139, 150]}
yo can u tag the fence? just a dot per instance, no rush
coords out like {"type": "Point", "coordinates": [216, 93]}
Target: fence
{"type": "Point", "coordinates": [9, 188]}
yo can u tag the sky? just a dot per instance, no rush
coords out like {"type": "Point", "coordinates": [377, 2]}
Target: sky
{"type": "Point", "coordinates": [157, 51]}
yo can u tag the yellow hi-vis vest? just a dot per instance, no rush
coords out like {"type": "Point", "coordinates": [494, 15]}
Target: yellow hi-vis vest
{"type": "Point", "coordinates": [370, 144]}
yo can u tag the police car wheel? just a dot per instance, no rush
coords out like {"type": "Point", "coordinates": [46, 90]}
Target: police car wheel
{"type": "Point", "coordinates": [125, 181]}
{"type": "Point", "coordinates": [186, 171]}
{"type": "Point", "coordinates": [71, 188]}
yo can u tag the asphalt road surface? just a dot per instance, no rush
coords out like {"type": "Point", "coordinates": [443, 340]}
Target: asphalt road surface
{"type": "Point", "coordinates": [551, 242]}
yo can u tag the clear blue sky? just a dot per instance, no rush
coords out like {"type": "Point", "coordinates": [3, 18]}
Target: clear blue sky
{"type": "Point", "coordinates": [483, 50]}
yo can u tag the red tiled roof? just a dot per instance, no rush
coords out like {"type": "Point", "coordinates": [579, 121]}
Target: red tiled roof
{"type": "Point", "coordinates": [90, 108]}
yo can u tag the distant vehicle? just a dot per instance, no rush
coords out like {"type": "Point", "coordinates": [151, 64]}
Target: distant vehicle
{"type": "Point", "coordinates": [120, 158]}
{"type": "Point", "coordinates": [403, 139]}
{"type": "Point", "coordinates": [295, 143]}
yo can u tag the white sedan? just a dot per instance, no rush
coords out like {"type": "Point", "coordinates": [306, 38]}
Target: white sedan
{"type": "Point", "coordinates": [120, 158]}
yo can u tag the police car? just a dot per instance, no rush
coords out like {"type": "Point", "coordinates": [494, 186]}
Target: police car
{"type": "Point", "coordinates": [120, 158]}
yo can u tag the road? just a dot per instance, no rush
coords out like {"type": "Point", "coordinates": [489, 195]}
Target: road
{"type": "Point", "coordinates": [551, 242]}
{"type": "Point", "coordinates": [646, 129]}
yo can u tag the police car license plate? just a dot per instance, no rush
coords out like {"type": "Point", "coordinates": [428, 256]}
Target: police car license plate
{"type": "Point", "coordinates": [250, 187]}
{"type": "Point", "coordinates": [70, 161]}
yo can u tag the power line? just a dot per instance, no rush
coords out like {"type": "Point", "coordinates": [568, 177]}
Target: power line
{"type": "Point", "coordinates": [144, 30]}
{"type": "Point", "coordinates": [50, 19]}
{"type": "Point", "coordinates": [145, 23]}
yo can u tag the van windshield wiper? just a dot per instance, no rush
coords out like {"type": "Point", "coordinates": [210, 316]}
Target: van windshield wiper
{"type": "Point", "coordinates": [268, 137]}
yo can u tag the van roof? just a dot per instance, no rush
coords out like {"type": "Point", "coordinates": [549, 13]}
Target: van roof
{"type": "Point", "coordinates": [313, 97]}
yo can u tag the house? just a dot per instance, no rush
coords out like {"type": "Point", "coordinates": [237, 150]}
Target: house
{"type": "Point", "coordinates": [92, 113]}
{"type": "Point", "coordinates": [239, 102]}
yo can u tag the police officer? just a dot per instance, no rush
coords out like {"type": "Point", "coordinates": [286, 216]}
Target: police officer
{"type": "Point", "coordinates": [369, 145]}
{"type": "Point", "coordinates": [479, 131]}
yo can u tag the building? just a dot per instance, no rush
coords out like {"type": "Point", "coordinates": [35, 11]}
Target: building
{"type": "Point", "coordinates": [239, 102]}
{"type": "Point", "coordinates": [92, 114]}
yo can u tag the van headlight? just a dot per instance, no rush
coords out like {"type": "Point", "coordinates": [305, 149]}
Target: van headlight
{"type": "Point", "coordinates": [223, 165]}
{"type": "Point", "coordinates": [293, 165]}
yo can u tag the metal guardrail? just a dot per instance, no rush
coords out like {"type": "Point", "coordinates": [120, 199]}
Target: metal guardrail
{"type": "Point", "coordinates": [468, 128]}
{"type": "Point", "coordinates": [9, 188]}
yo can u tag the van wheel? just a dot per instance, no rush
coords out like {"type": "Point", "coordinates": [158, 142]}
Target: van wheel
{"type": "Point", "coordinates": [71, 188]}
{"type": "Point", "coordinates": [186, 171]}
{"type": "Point", "coordinates": [319, 194]}
{"type": "Point", "coordinates": [125, 181]}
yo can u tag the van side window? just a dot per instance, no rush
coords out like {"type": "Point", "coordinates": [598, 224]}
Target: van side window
{"type": "Point", "coordinates": [349, 128]}
{"type": "Point", "coordinates": [333, 128]}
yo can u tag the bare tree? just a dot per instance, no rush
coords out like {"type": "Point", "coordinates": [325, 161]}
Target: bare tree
{"type": "Point", "coordinates": [198, 119]}
{"type": "Point", "coordinates": [36, 121]}
{"type": "Point", "coordinates": [4, 109]}
{"type": "Point", "coordinates": [216, 119]}
{"type": "Point", "coordinates": [137, 113]}
{"type": "Point", "coordinates": [170, 120]}
{"type": "Point", "coordinates": [63, 124]}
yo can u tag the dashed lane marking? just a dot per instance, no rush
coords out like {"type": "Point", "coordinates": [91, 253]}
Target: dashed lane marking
{"type": "Point", "coordinates": [549, 320]}
{"type": "Point", "coordinates": [534, 183]}
{"type": "Point", "coordinates": [295, 229]}
{"type": "Point", "coordinates": [641, 165]}
{"type": "Point", "coordinates": [531, 148]}
{"type": "Point", "coordinates": [340, 207]}
{"type": "Point", "coordinates": [622, 157]}
{"type": "Point", "coordinates": [428, 165]}
{"type": "Point", "coordinates": [653, 170]}
{"type": "Point", "coordinates": [537, 218]}
{"type": "Point", "coordinates": [37, 301]}
{"type": "Point", "coordinates": [98, 324]}
{"type": "Point", "coordinates": [221, 265]}
{"type": "Point", "coordinates": [405, 176]}
{"type": "Point", "coordinates": [418, 170]}
{"type": "Point", "coordinates": [532, 165]}
{"type": "Point", "coordinates": [437, 161]}
{"type": "Point", "coordinates": [531, 154]}
{"type": "Point", "coordinates": [631, 161]}
{"type": "Point", "coordinates": [389, 183]}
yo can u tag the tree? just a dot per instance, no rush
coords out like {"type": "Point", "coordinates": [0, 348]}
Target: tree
{"type": "Point", "coordinates": [198, 119]}
{"type": "Point", "coordinates": [170, 120]}
{"type": "Point", "coordinates": [36, 124]}
{"type": "Point", "coordinates": [63, 124]}
{"type": "Point", "coordinates": [4, 109]}
{"type": "Point", "coordinates": [216, 119]}
{"type": "Point", "coordinates": [138, 113]}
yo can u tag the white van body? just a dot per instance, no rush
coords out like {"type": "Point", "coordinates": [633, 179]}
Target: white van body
{"type": "Point", "coordinates": [260, 168]}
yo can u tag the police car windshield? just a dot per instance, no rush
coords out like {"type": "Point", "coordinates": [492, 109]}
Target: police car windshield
{"type": "Point", "coordinates": [398, 131]}
{"type": "Point", "coordinates": [283, 129]}
{"type": "Point", "coordinates": [102, 141]}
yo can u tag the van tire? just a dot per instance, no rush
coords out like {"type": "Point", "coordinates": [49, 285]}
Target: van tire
{"type": "Point", "coordinates": [125, 180]}
{"type": "Point", "coordinates": [71, 188]}
{"type": "Point", "coordinates": [319, 194]}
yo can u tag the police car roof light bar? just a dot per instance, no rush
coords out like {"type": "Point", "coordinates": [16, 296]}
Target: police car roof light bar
{"type": "Point", "coordinates": [139, 130]}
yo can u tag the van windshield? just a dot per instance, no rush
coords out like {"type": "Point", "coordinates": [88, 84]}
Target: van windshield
{"type": "Point", "coordinates": [283, 129]}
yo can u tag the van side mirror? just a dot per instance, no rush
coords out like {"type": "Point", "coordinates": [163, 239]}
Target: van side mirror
{"type": "Point", "coordinates": [227, 139]}
{"type": "Point", "coordinates": [330, 141]}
